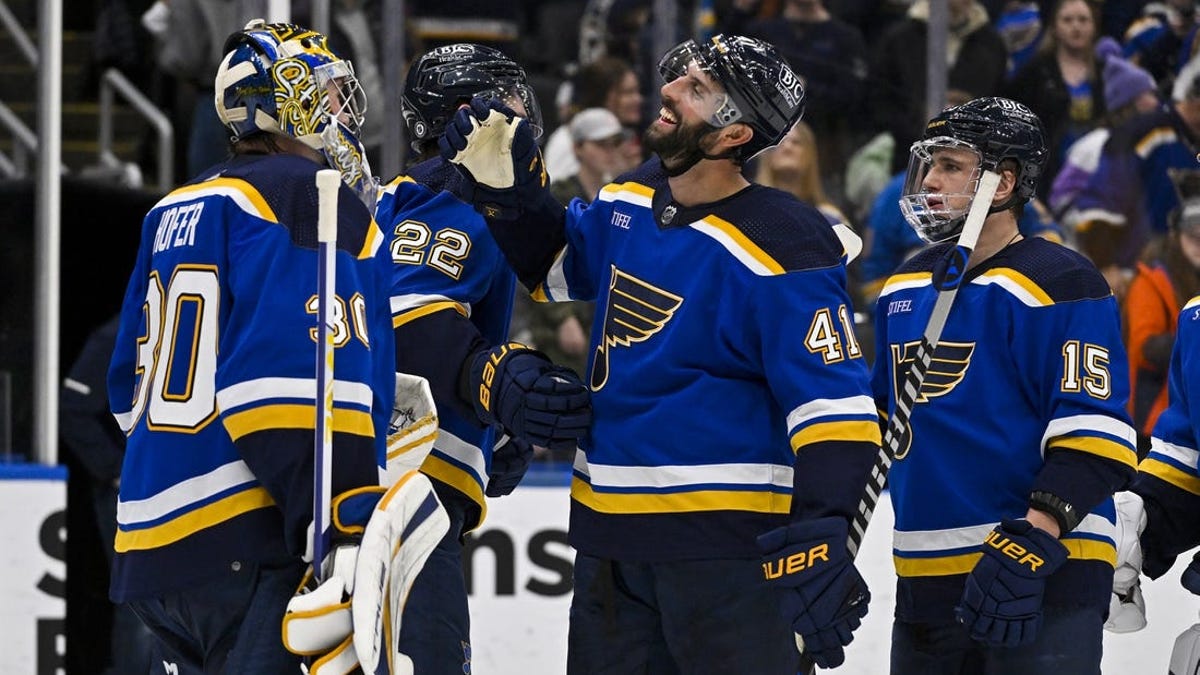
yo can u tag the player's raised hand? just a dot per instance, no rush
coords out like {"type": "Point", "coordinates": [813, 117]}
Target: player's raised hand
{"type": "Point", "coordinates": [498, 153]}
{"type": "Point", "coordinates": [824, 596]}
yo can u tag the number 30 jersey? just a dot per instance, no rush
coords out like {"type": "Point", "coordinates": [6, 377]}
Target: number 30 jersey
{"type": "Point", "coordinates": [213, 378]}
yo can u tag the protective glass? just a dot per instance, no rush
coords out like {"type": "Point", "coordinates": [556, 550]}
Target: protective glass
{"type": "Point", "coordinates": [521, 100]}
{"type": "Point", "coordinates": [952, 168]}
{"type": "Point", "coordinates": [337, 78]}
{"type": "Point", "coordinates": [704, 93]}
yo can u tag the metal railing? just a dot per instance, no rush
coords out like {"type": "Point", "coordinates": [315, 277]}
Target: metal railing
{"type": "Point", "coordinates": [114, 82]}
{"type": "Point", "coordinates": [24, 143]}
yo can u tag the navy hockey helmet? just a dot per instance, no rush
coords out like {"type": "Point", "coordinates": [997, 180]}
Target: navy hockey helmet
{"type": "Point", "coordinates": [283, 79]}
{"type": "Point", "coordinates": [761, 90]}
{"type": "Point", "coordinates": [994, 130]}
{"type": "Point", "coordinates": [443, 79]}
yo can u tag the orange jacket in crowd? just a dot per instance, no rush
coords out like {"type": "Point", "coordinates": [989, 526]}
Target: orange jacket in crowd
{"type": "Point", "coordinates": [1150, 310]}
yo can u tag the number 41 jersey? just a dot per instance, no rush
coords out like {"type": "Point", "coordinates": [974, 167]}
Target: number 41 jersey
{"type": "Point", "coordinates": [213, 378]}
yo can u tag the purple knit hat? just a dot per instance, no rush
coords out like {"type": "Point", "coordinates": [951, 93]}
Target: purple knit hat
{"type": "Point", "coordinates": [1123, 81]}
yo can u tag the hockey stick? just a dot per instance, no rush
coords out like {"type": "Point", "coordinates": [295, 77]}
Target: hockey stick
{"type": "Point", "coordinates": [328, 183]}
{"type": "Point", "coordinates": [897, 427]}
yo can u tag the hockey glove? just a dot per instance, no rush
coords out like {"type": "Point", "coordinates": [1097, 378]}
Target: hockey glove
{"type": "Point", "coordinates": [1191, 576]}
{"type": "Point", "coordinates": [341, 622]}
{"type": "Point", "coordinates": [413, 428]}
{"type": "Point", "coordinates": [824, 596]}
{"type": "Point", "coordinates": [1126, 606]}
{"type": "Point", "coordinates": [502, 163]}
{"type": "Point", "coordinates": [1002, 599]}
{"type": "Point", "coordinates": [510, 461]}
{"type": "Point", "coordinates": [530, 397]}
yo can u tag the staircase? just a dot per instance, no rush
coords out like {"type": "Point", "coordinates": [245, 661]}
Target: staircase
{"type": "Point", "coordinates": [80, 107]}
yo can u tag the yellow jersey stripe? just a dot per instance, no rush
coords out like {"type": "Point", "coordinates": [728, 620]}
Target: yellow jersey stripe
{"type": "Point", "coordinates": [294, 416]}
{"type": "Point", "coordinates": [1101, 447]}
{"type": "Point", "coordinates": [1180, 479]}
{"type": "Point", "coordinates": [742, 242]}
{"type": "Point", "coordinates": [679, 502]}
{"type": "Point", "coordinates": [841, 430]}
{"type": "Point", "coordinates": [452, 475]}
{"type": "Point", "coordinates": [194, 521]}
{"type": "Point", "coordinates": [425, 310]}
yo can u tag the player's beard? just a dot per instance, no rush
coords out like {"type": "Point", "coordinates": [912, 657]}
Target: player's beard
{"type": "Point", "coordinates": [679, 147]}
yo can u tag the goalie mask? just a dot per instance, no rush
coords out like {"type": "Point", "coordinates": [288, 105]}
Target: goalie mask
{"type": "Point", "coordinates": [759, 88]}
{"type": "Point", "coordinates": [449, 76]}
{"type": "Point", "coordinates": [280, 78]}
{"type": "Point", "coordinates": [962, 142]}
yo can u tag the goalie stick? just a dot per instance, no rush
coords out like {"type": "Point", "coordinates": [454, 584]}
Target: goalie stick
{"type": "Point", "coordinates": [897, 427]}
{"type": "Point", "coordinates": [328, 184]}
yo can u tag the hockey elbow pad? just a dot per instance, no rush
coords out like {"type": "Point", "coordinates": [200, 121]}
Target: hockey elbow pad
{"type": "Point", "coordinates": [530, 397]}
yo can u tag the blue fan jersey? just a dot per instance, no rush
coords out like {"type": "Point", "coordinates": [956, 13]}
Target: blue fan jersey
{"type": "Point", "coordinates": [452, 294]}
{"type": "Point", "coordinates": [729, 390]}
{"type": "Point", "coordinates": [213, 377]}
{"type": "Point", "coordinates": [1026, 391]}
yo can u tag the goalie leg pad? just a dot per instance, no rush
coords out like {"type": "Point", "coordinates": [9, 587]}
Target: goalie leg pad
{"type": "Point", "coordinates": [403, 531]}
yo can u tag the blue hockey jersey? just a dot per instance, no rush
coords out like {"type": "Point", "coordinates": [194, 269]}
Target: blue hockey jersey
{"type": "Point", "coordinates": [729, 392]}
{"type": "Point", "coordinates": [451, 295]}
{"type": "Point", "coordinates": [213, 377]}
{"type": "Point", "coordinates": [1026, 391]}
{"type": "Point", "coordinates": [1169, 478]}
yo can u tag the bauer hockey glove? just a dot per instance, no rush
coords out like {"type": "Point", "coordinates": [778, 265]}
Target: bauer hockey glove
{"type": "Point", "coordinates": [530, 397]}
{"type": "Point", "coordinates": [381, 542]}
{"type": "Point", "coordinates": [502, 163]}
{"type": "Point", "coordinates": [824, 596]}
{"type": "Point", "coordinates": [510, 461]}
{"type": "Point", "coordinates": [1002, 599]}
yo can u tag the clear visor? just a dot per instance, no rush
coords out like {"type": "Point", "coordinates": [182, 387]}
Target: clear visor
{"type": "Point", "coordinates": [347, 99]}
{"type": "Point", "coordinates": [942, 178]}
{"type": "Point", "coordinates": [704, 92]}
{"type": "Point", "coordinates": [521, 100]}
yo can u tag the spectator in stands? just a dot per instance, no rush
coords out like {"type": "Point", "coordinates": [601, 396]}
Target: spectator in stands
{"type": "Point", "coordinates": [1167, 276]}
{"type": "Point", "coordinates": [1163, 39]}
{"type": "Point", "coordinates": [1128, 91]}
{"type": "Point", "coordinates": [795, 166]}
{"type": "Point", "coordinates": [190, 49]}
{"type": "Point", "coordinates": [976, 62]}
{"type": "Point", "coordinates": [1128, 198]}
{"type": "Point", "coordinates": [597, 139]}
{"type": "Point", "coordinates": [831, 57]}
{"type": "Point", "coordinates": [1020, 26]}
{"type": "Point", "coordinates": [607, 82]}
{"type": "Point", "coordinates": [1063, 83]}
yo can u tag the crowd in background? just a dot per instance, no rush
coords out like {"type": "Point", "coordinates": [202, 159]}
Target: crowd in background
{"type": "Point", "coordinates": [1114, 84]}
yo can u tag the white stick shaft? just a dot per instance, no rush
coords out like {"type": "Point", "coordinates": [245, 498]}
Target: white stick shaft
{"type": "Point", "coordinates": [898, 422]}
{"type": "Point", "coordinates": [328, 184]}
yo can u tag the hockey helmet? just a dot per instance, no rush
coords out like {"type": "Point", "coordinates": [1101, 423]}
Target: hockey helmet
{"type": "Point", "coordinates": [761, 90]}
{"type": "Point", "coordinates": [280, 78]}
{"type": "Point", "coordinates": [444, 78]}
{"type": "Point", "coordinates": [990, 130]}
